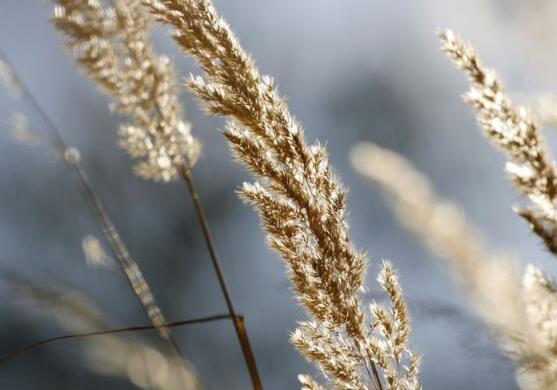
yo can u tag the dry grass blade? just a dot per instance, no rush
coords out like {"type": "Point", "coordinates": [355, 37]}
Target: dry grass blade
{"type": "Point", "coordinates": [300, 200]}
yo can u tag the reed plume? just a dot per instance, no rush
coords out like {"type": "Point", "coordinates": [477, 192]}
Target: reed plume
{"type": "Point", "coordinates": [519, 314]}
{"type": "Point", "coordinates": [540, 295]}
{"type": "Point", "coordinates": [302, 207]}
{"type": "Point", "coordinates": [111, 44]}
{"type": "Point", "coordinates": [515, 131]}
{"type": "Point", "coordinates": [441, 225]}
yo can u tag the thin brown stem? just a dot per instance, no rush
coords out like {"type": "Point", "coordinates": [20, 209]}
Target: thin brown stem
{"type": "Point", "coordinates": [239, 325]}
{"type": "Point", "coordinates": [128, 264]}
{"type": "Point", "coordinates": [376, 375]}
{"type": "Point", "coordinates": [167, 325]}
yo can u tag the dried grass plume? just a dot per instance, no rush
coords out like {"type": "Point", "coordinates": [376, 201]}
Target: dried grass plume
{"type": "Point", "coordinates": [302, 207]}
{"type": "Point", "coordinates": [515, 131]}
{"type": "Point", "coordinates": [518, 313]}
{"type": "Point", "coordinates": [111, 45]}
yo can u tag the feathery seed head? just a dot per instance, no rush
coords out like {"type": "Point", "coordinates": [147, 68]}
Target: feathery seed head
{"type": "Point", "coordinates": [512, 311]}
{"type": "Point", "coordinates": [300, 200]}
{"type": "Point", "coordinates": [516, 132]}
{"type": "Point", "coordinates": [111, 44]}
{"type": "Point", "coordinates": [540, 295]}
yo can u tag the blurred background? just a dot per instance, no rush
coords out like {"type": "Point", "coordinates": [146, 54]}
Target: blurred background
{"type": "Point", "coordinates": [353, 71]}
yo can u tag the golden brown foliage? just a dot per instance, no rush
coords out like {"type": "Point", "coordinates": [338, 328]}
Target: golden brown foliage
{"type": "Point", "coordinates": [308, 383]}
{"type": "Point", "coordinates": [532, 169]}
{"type": "Point", "coordinates": [492, 279]}
{"type": "Point", "coordinates": [301, 203]}
{"type": "Point", "coordinates": [111, 44]}
{"type": "Point", "coordinates": [519, 315]}
{"type": "Point", "coordinates": [540, 295]}
{"type": "Point", "coordinates": [515, 131]}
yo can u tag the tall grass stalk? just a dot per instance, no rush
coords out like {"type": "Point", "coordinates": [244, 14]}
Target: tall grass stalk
{"type": "Point", "coordinates": [111, 44]}
{"type": "Point", "coordinates": [129, 266]}
{"type": "Point", "coordinates": [302, 206]}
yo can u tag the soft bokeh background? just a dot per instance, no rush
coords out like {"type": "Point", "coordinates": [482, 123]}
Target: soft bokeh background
{"type": "Point", "coordinates": [353, 70]}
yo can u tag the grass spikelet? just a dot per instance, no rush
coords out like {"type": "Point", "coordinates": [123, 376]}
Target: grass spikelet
{"type": "Point", "coordinates": [308, 383]}
{"type": "Point", "coordinates": [514, 130]}
{"type": "Point", "coordinates": [111, 44]}
{"type": "Point", "coordinates": [540, 295]}
{"type": "Point", "coordinates": [514, 312]}
{"type": "Point", "coordinates": [441, 225]}
{"type": "Point", "coordinates": [300, 200]}
{"type": "Point", "coordinates": [95, 255]}
{"type": "Point", "coordinates": [391, 327]}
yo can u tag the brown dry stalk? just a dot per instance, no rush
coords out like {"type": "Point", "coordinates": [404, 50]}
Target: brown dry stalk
{"type": "Point", "coordinates": [516, 132]}
{"type": "Point", "coordinates": [127, 329]}
{"type": "Point", "coordinates": [239, 324]}
{"type": "Point", "coordinates": [519, 315]}
{"type": "Point", "coordinates": [129, 266]}
{"type": "Point", "coordinates": [302, 207]}
{"type": "Point", "coordinates": [114, 354]}
{"type": "Point", "coordinates": [308, 383]}
{"type": "Point", "coordinates": [112, 46]}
